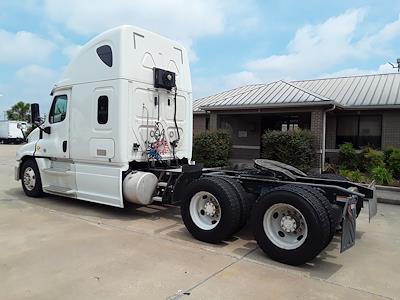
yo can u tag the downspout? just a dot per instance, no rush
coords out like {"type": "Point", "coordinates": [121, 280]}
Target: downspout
{"type": "Point", "coordinates": [324, 135]}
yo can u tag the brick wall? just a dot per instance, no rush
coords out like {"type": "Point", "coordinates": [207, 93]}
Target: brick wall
{"type": "Point", "coordinates": [317, 128]}
{"type": "Point", "coordinates": [199, 123]}
{"type": "Point", "coordinates": [391, 129]}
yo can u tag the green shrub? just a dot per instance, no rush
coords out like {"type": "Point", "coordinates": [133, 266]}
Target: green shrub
{"type": "Point", "coordinates": [372, 159]}
{"type": "Point", "coordinates": [295, 147]}
{"type": "Point", "coordinates": [389, 151]}
{"type": "Point", "coordinates": [381, 175]}
{"type": "Point", "coordinates": [212, 148]}
{"type": "Point", "coordinates": [393, 162]}
{"type": "Point", "coordinates": [354, 176]}
{"type": "Point", "coordinates": [348, 157]}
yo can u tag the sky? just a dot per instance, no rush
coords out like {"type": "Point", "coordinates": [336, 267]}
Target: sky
{"type": "Point", "coordinates": [230, 43]}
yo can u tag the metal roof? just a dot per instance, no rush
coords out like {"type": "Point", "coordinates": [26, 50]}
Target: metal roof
{"type": "Point", "coordinates": [352, 91]}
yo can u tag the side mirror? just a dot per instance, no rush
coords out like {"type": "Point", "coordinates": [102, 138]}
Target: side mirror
{"type": "Point", "coordinates": [35, 113]}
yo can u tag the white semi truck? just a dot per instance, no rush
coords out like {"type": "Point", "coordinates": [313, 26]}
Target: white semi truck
{"type": "Point", "coordinates": [119, 130]}
{"type": "Point", "coordinates": [12, 132]}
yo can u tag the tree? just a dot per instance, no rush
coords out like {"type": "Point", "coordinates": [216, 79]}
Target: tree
{"type": "Point", "coordinates": [19, 112]}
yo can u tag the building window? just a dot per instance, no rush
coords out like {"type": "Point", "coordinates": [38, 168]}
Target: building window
{"type": "Point", "coordinates": [290, 124]}
{"type": "Point", "coordinates": [105, 54]}
{"type": "Point", "coordinates": [207, 122]}
{"type": "Point", "coordinates": [58, 110]}
{"type": "Point", "coordinates": [359, 130]}
{"type": "Point", "coordinates": [102, 110]}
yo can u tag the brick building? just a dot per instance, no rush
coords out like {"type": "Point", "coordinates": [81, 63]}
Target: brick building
{"type": "Point", "coordinates": [363, 110]}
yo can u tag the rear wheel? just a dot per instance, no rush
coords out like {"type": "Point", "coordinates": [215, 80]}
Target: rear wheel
{"type": "Point", "coordinates": [210, 209]}
{"type": "Point", "coordinates": [331, 211]}
{"type": "Point", "coordinates": [30, 178]}
{"type": "Point", "coordinates": [290, 224]}
{"type": "Point", "coordinates": [245, 200]}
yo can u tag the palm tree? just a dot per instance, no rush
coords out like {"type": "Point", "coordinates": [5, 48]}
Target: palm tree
{"type": "Point", "coordinates": [19, 112]}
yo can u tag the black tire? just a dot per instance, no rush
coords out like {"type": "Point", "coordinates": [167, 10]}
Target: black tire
{"type": "Point", "coordinates": [330, 211]}
{"type": "Point", "coordinates": [230, 209]}
{"type": "Point", "coordinates": [315, 216]}
{"type": "Point", "coordinates": [245, 200]}
{"type": "Point", "coordinates": [37, 190]}
{"type": "Point", "coordinates": [334, 176]}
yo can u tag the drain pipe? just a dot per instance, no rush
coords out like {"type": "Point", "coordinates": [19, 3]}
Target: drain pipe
{"type": "Point", "coordinates": [324, 135]}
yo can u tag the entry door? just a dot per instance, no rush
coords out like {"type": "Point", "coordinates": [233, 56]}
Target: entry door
{"type": "Point", "coordinates": [56, 143]}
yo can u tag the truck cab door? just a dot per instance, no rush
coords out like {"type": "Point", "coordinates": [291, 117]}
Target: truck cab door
{"type": "Point", "coordinates": [55, 144]}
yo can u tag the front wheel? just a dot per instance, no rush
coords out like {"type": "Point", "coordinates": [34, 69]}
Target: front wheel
{"type": "Point", "coordinates": [30, 178]}
{"type": "Point", "coordinates": [290, 224]}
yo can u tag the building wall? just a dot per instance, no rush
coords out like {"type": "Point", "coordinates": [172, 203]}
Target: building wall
{"type": "Point", "coordinates": [245, 133]}
{"type": "Point", "coordinates": [330, 142]}
{"type": "Point", "coordinates": [248, 147]}
{"type": "Point", "coordinates": [199, 123]}
{"type": "Point", "coordinates": [391, 129]}
{"type": "Point", "coordinates": [316, 128]}
{"type": "Point", "coordinates": [390, 126]}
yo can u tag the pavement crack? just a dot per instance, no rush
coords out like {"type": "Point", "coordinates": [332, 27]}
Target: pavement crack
{"type": "Point", "coordinates": [188, 291]}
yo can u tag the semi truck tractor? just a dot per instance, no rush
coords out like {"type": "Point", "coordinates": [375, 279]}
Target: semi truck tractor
{"type": "Point", "coordinates": [119, 130]}
{"type": "Point", "coordinates": [12, 132]}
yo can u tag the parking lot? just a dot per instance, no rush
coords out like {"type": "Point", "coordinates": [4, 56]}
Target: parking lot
{"type": "Point", "coordinates": [59, 248]}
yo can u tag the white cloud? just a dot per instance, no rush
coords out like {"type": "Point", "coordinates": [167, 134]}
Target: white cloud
{"type": "Point", "coordinates": [181, 20]}
{"type": "Point", "coordinates": [175, 17]}
{"type": "Point", "coordinates": [316, 49]}
{"type": "Point", "coordinates": [71, 50]}
{"type": "Point", "coordinates": [382, 69]}
{"type": "Point", "coordinates": [313, 49]}
{"type": "Point", "coordinates": [241, 78]}
{"type": "Point", "coordinates": [31, 83]}
{"type": "Point", "coordinates": [22, 47]}
{"type": "Point", "coordinates": [35, 73]}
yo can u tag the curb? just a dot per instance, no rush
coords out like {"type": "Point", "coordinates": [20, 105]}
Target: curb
{"type": "Point", "coordinates": [388, 201]}
{"type": "Point", "coordinates": [388, 188]}
{"type": "Point", "coordinates": [388, 195]}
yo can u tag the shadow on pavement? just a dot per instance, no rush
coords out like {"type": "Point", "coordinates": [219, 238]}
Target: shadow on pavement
{"type": "Point", "coordinates": [239, 245]}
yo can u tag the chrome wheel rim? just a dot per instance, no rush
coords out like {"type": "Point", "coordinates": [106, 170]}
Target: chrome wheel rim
{"type": "Point", "coordinates": [285, 226]}
{"type": "Point", "coordinates": [205, 210]}
{"type": "Point", "coordinates": [29, 179]}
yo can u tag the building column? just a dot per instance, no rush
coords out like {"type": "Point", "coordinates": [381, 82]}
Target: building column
{"type": "Point", "coordinates": [213, 121]}
{"type": "Point", "coordinates": [317, 128]}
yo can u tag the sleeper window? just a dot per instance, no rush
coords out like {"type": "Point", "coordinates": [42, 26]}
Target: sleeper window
{"type": "Point", "coordinates": [58, 110]}
{"type": "Point", "coordinates": [105, 54]}
{"type": "Point", "coordinates": [102, 110]}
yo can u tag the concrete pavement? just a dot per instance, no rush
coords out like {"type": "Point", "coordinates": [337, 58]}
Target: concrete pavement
{"type": "Point", "coordinates": [59, 248]}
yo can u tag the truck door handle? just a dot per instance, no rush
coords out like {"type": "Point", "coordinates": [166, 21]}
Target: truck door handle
{"type": "Point", "coordinates": [65, 146]}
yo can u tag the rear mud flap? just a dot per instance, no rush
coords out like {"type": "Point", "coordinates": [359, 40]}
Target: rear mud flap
{"type": "Point", "coordinates": [373, 202]}
{"type": "Point", "coordinates": [349, 225]}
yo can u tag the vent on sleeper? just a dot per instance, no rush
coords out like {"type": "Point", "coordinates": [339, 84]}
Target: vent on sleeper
{"type": "Point", "coordinates": [101, 152]}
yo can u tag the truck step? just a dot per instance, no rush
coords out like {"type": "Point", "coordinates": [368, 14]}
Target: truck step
{"type": "Point", "coordinates": [157, 199]}
{"type": "Point", "coordinates": [162, 184]}
{"type": "Point", "coordinates": [59, 190]}
{"type": "Point", "coordinates": [57, 171]}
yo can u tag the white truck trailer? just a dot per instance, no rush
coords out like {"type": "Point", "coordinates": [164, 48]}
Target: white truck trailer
{"type": "Point", "coordinates": [119, 130]}
{"type": "Point", "coordinates": [12, 132]}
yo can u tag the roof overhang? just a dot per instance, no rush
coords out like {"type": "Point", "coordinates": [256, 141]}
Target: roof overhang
{"type": "Point", "coordinates": [266, 106]}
